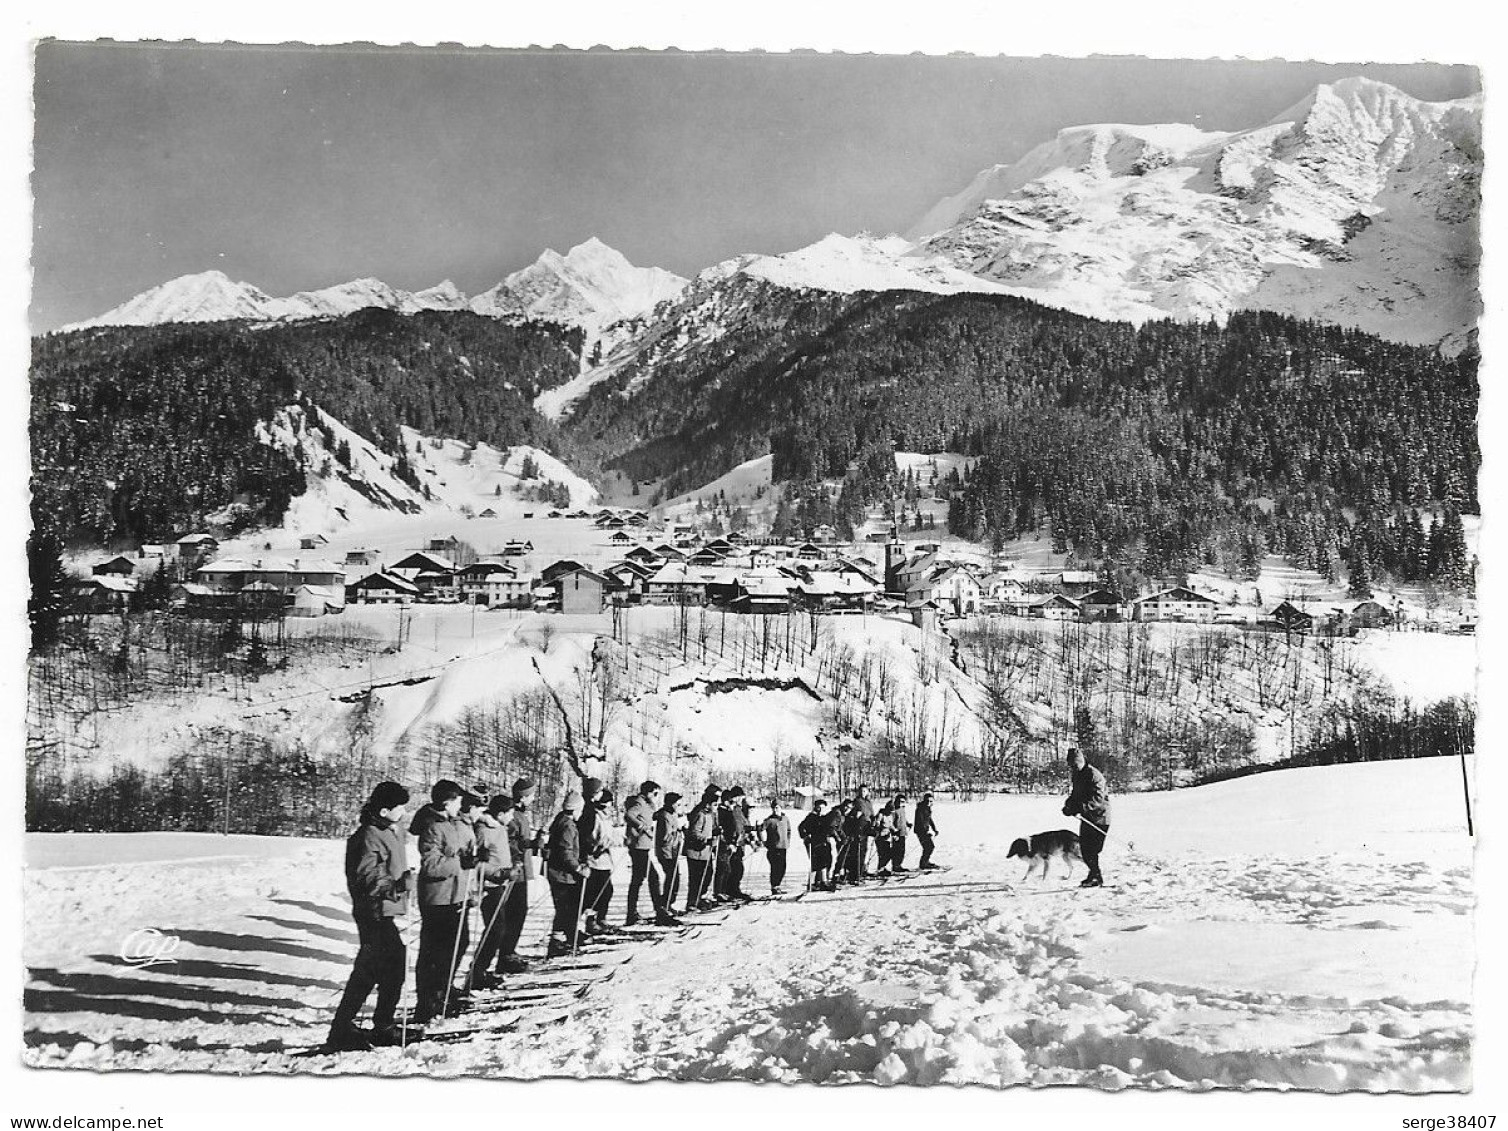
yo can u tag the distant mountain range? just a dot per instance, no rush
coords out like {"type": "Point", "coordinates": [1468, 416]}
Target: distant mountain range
{"type": "Point", "coordinates": [588, 287]}
{"type": "Point", "coordinates": [1358, 205]}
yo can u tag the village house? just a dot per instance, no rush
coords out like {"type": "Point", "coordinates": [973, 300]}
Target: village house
{"type": "Point", "coordinates": [830, 592]}
{"type": "Point", "coordinates": [422, 561]}
{"type": "Point", "coordinates": [515, 548]}
{"type": "Point", "coordinates": [1179, 603]}
{"type": "Point", "coordinates": [678, 583]}
{"type": "Point", "coordinates": [957, 590]}
{"type": "Point", "coordinates": [583, 591]}
{"type": "Point", "coordinates": [1290, 618]}
{"type": "Point", "coordinates": [763, 594]}
{"type": "Point", "coordinates": [472, 580]}
{"type": "Point", "coordinates": [434, 574]}
{"type": "Point", "coordinates": [118, 566]}
{"type": "Point", "coordinates": [196, 547]}
{"type": "Point", "coordinates": [382, 588]}
{"type": "Point", "coordinates": [1077, 582]}
{"type": "Point", "coordinates": [362, 559]}
{"type": "Point", "coordinates": [312, 541]}
{"type": "Point", "coordinates": [559, 568]}
{"type": "Point", "coordinates": [103, 593]}
{"type": "Point", "coordinates": [633, 576]}
{"type": "Point", "coordinates": [1056, 607]}
{"type": "Point", "coordinates": [644, 556]}
{"type": "Point", "coordinates": [1000, 588]}
{"type": "Point", "coordinates": [1101, 605]}
{"type": "Point", "coordinates": [924, 615]}
{"type": "Point", "coordinates": [271, 581]}
{"type": "Point", "coordinates": [1371, 613]}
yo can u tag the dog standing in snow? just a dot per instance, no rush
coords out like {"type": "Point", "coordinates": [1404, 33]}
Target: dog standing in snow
{"type": "Point", "coordinates": [1043, 848]}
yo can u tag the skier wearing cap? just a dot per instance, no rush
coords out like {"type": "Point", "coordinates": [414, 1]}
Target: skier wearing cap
{"type": "Point", "coordinates": [701, 827]}
{"type": "Point", "coordinates": [775, 834]}
{"type": "Point", "coordinates": [670, 830]}
{"type": "Point", "coordinates": [596, 851]}
{"type": "Point", "coordinates": [379, 880]}
{"type": "Point", "coordinates": [639, 836]}
{"type": "Point", "coordinates": [494, 856]}
{"type": "Point", "coordinates": [926, 829]}
{"type": "Point", "coordinates": [733, 827]}
{"type": "Point", "coordinates": [524, 847]}
{"type": "Point", "coordinates": [813, 832]}
{"type": "Point", "coordinates": [1089, 800]}
{"type": "Point", "coordinates": [447, 856]}
{"type": "Point", "coordinates": [566, 872]}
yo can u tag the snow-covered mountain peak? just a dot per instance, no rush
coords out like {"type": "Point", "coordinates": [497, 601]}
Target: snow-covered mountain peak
{"type": "Point", "coordinates": [444, 295]}
{"type": "Point", "coordinates": [206, 296]}
{"type": "Point", "coordinates": [591, 286]}
{"type": "Point", "coordinates": [1349, 206]}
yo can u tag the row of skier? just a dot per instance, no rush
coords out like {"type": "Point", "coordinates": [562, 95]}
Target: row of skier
{"type": "Point", "coordinates": [479, 851]}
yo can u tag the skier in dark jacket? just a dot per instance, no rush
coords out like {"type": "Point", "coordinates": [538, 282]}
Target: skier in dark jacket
{"type": "Point", "coordinates": [775, 834]}
{"type": "Point", "coordinates": [701, 832]}
{"type": "Point", "coordinates": [566, 872]}
{"type": "Point", "coordinates": [639, 836]}
{"type": "Point", "coordinates": [733, 827]}
{"type": "Point", "coordinates": [379, 880]}
{"type": "Point", "coordinates": [858, 827]}
{"type": "Point", "coordinates": [494, 856]}
{"type": "Point", "coordinates": [447, 857]}
{"type": "Point", "coordinates": [835, 825]}
{"type": "Point", "coordinates": [524, 845]}
{"type": "Point", "coordinates": [596, 853]}
{"type": "Point", "coordinates": [926, 829]}
{"type": "Point", "coordinates": [813, 832]}
{"type": "Point", "coordinates": [670, 835]}
{"type": "Point", "coordinates": [1089, 799]}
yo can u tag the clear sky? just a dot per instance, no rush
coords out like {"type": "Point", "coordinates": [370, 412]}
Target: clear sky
{"type": "Point", "coordinates": [295, 168]}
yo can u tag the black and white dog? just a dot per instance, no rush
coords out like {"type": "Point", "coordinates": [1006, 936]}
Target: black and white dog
{"type": "Point", "coordinates": [1043, 848]}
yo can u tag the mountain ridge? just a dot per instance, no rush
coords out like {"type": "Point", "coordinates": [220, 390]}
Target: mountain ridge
{"type": "Point", "coordinates": [1349, 206]}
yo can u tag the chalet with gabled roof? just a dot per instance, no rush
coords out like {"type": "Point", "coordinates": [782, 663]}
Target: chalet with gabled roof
{"type": "Point", "coordinates": [1179, 603]}
{"type": "Point", "coordinates": [382, 588]}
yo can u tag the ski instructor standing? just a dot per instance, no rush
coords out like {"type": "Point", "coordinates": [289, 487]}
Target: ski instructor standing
{"type": "Point", "coordinates": [1089, 799]}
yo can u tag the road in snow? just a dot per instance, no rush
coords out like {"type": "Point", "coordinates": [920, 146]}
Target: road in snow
{"type": "Point", "coordinates": [1306, 929]}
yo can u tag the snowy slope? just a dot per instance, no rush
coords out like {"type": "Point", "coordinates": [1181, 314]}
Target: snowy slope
{"type": "Point", "coordinates": [459, 476]}
{"type": "Point", "coordinates": [1247, 942]}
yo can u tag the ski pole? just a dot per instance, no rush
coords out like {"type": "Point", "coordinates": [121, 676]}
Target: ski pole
{"type": "Point", "coordinates": [487, 930]}
{"type": "Point", "coordinates": [580, 910]}
{"type": "Point", "coordinates": [455, 950]}
{"type": "Point", "coordinates": [710, 872]}
{"type": "Point", "coordinates": [1095, 827]}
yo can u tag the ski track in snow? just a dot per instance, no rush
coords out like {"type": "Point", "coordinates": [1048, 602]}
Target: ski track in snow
{"type": "Point", "coordinates": [1342, 963]}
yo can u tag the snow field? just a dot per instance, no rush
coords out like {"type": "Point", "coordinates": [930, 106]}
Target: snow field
{"type": "Point", "coordinates": [1293, 930]}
